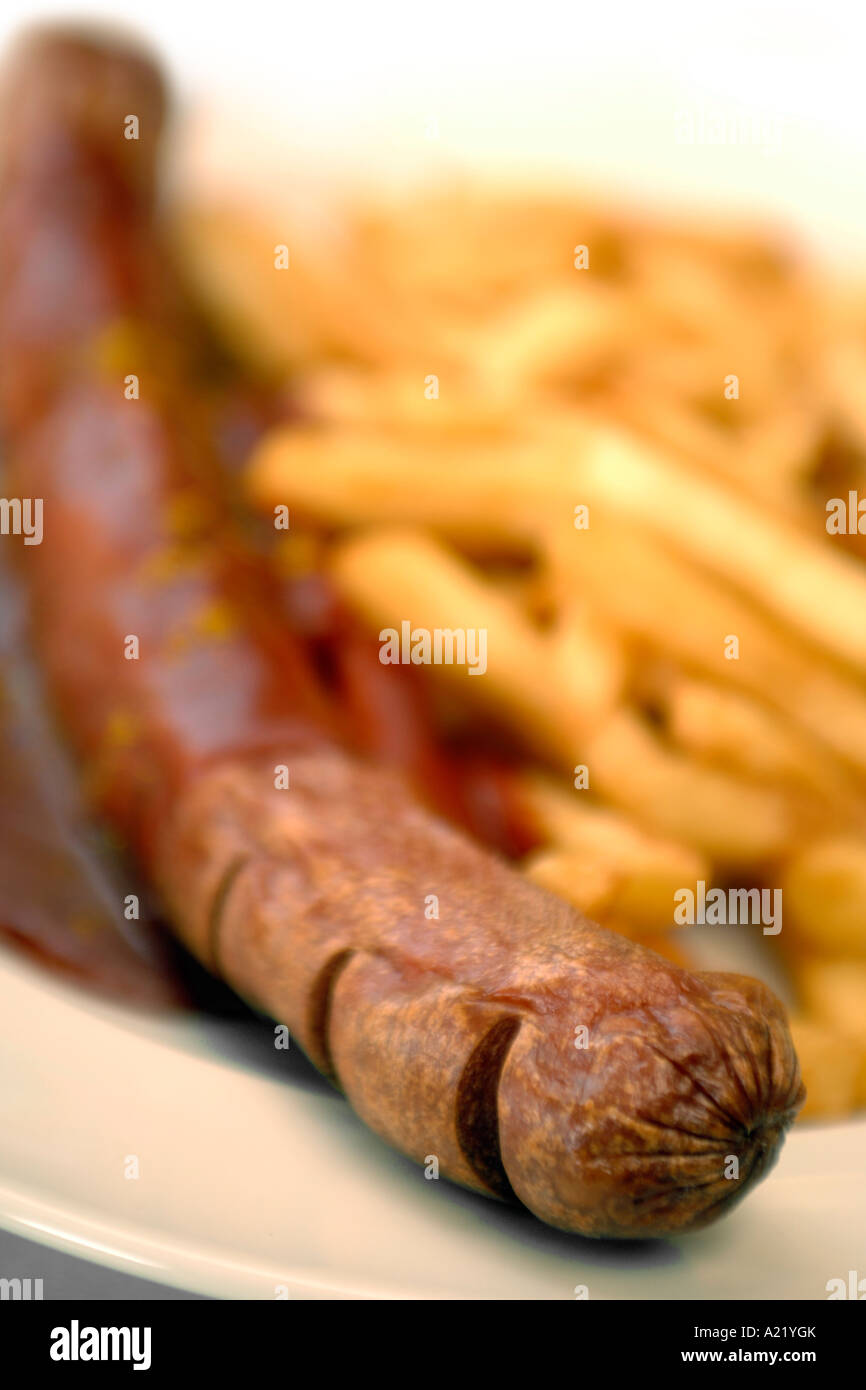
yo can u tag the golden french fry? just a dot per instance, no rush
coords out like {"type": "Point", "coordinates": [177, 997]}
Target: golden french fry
{"type": "Point", "coordinates": [481, 494]}
{"type": "Point", "coordinates": [548, 690]}
{"type": "Point", "coordinates": [834, 992]}
{"type": "Point", "coordinates": [640, 872]}
{"type": "Point", "coordinates": [564, 817]}
{"type": "Point", "coordinates": [689, 279]}
{"type": "Point", "coordinates": [824, 889]}
{"type": "Point", "coordinates": [737, 822]}
{"type": "Point", "coordinates": [654, 594]}
{"type": "Point", "coordinates": [551, 338]}
{"type": "Point", "coordinates": [474, 249]}
{"type": "Point", "coordinates": [582, 653]}
{"type": "Point", "coordinates": [843, 369]}
{"type": "Point", "coordinates": [322, 306]}
{"type": "Point", "coordinates": [553, 705]}
{"type": "Point", "coordinates": [404, 404]}
{"type": "Point", "coordinates": [780, 450]}
{"type": "Point", "coordinates": [582, 881]}
{"type": "Point", "coordinates": [734, 729]}
{"type": "Point", "coordinates": [830, 1065]}
{"type": "Point", "coordinates": [819, 592]}
{"type": "Point", "coordinates": [717, 723]}
{"type": "Point", "coordinates": [767, 459]}
{"type": "Point", "coordinates": [639, 898]}
{"type": "Point", "coordinates": [634, 900]}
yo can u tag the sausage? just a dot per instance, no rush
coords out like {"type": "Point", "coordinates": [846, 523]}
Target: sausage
{"type": "Point", "coordinates": [473, 1020]}
{"type": "Point", "coordinates": [454, 1036]}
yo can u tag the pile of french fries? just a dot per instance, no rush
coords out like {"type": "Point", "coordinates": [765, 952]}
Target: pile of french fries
{"type": "Point", "coordinates": [610, 442]}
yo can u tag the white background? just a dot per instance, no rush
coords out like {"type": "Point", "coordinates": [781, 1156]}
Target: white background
{"type": "Point", "coordinates": [598, 92]}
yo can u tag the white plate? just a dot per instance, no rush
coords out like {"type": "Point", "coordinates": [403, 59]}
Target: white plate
{"type": "Point", "coordinates": [253, 1173]}
{"type": "Point", "coordinates": [255, 1176]}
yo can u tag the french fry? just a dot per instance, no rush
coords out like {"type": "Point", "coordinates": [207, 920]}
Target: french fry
{"type": "Point", "coordinates": [830, 1065]}
{"type": "Point", "coordinates": [323, 306]}
{"type": "Point", "coordinates": [665, 600]}
{"type": "Point", "coordinates": [638, 873]}
{"type": "Point", "coordinates": [552, 704]}
{"type": "Point", "coordinates": [824, 890]}
{"type": "Point", "coordinates": [636, 902]}
{"type": "Point", "coordinates": [819, 592]}
{"type": "Point", "coordinates": [782, 448]}
{"type": "Point", "coordinates": [399, 404]}
{"type": "Point", "coordinates": [834, 993]}
{"type": "Point", "coordinates": [767, 459]}
{"type": "Point", "coordinates": [551, 338]}
{"type": "Point", "coordinates": [545, 689]}
{"type": "Point", "coordinates": [738, 823]}
{"type": "Point", "coordinates": [584, 654]}
{"type": "Point", "coordinates": [582, 881]}
{"type": "Point", "coordinates": [737, 731]}
{"type": "Point", "coordinates": [688, 280]}
{"type": "Point", "coordinates": [693, 374]}
{"type": "Point", "coordinates": [565, 818]}
{"type": "Point", "coordinates": [482, 495]}
{"type": "Point", "coordinates": [843, 371]}
{"type": "Point", "coordinates": [475, 249]}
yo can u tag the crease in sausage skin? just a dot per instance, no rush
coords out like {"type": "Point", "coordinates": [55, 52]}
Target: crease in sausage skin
{"type": "Point", "coordinates": [478, 1106]}
{"type": "Point", "coordinates": [217, 909]}
{"type": "Point", "coordinates": [321, 1008]}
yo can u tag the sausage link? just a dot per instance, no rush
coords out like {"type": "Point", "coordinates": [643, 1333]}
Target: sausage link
{"type": "Point", "coordinates": [457, 1036]}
